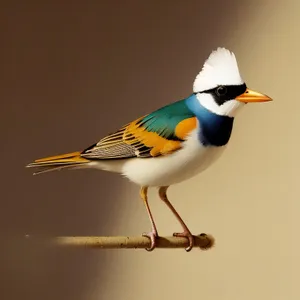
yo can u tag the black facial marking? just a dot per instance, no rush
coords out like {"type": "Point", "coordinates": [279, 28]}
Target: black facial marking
{"type": "Point", "coordinates": [223, 93]}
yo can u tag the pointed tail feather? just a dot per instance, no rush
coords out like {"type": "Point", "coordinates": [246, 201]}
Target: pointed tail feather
{"type": "Point", "coordinates": [55, 163]}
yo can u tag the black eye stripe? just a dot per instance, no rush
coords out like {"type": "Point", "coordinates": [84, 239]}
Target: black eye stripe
{"type": "Point", "coordinates": [223, 93]}
{"type": "Point", "coordinates": [234, 90]}
{"type": "Point", "coordinates": [221, 90]}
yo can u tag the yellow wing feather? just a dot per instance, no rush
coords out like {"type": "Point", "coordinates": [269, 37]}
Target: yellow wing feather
{"type": "Point", "coordinates": [142, 143]}
{"type": "Point", "coordinates": [132, 140]}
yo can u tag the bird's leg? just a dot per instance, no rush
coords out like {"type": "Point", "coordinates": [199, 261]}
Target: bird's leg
{"type": "Point", "coordinates": [186, 232]}
{"type": "Point", "coordinates": [152, 235]}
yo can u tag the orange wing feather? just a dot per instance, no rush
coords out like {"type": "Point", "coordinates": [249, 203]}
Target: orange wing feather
{"type": "Point", "coordinates": [158, 144]}
{"type": "Point", "coordinates": [149, 136]}
{"type": "Point", "coordinates": [184, 127]}
{"type": "Point", "coordinates": [134, 140]}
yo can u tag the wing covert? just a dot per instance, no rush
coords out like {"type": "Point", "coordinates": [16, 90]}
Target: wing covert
{"type": "Point", "coordinates": [159, 133]}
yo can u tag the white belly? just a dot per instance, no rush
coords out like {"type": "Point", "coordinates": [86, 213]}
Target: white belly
{"type": "Point", "coordinates": [183, 164]}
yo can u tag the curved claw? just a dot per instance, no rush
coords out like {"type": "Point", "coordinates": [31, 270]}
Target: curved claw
{"type": "Point", "coordinates": [152, 236]}
{"type": "Point", "coordinates": [187, 235]}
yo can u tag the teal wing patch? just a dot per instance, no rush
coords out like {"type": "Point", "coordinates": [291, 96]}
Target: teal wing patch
{"type": "Point", "coordinates": [159, 133]}
{"type": "Point", "coordinates": [165, 120]}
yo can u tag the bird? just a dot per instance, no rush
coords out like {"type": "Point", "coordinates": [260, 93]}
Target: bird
{"type": "Point", "coordinates": [173, 143]}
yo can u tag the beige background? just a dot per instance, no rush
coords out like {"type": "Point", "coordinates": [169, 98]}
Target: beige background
{"type": "Point", "coordinates": [72, 72]}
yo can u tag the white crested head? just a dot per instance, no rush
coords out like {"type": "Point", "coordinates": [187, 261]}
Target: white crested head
{"type": "Point", "coordinates": [220, 68]}
{"type": "Point", "coordinates": [219, 82]}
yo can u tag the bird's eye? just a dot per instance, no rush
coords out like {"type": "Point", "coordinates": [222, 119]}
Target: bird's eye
{"type": "Point", "coordinates": [221, 90]}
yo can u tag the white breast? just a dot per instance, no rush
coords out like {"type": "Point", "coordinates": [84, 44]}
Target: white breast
{"type": "Point", "coordinates": [183, 164]}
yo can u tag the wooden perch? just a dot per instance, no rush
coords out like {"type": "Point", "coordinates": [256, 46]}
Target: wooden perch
{"type": "Point", "coordinates": [203, 241]}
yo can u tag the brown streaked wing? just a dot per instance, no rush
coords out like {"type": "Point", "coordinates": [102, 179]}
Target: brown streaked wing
{"type": "Point", "coordinates": [132, 140]}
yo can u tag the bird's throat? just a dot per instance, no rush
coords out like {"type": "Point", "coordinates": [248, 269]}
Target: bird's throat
{"type": "Point", "coordinates": [214, 130]}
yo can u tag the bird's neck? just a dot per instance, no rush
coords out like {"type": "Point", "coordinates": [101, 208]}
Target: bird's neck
{"type": "Point", "coordinates": [214, 130]}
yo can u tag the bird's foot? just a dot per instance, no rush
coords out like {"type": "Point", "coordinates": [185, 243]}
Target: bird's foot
{"type": "Point", "coordinates": [187, 235]}
{"type": "Point", "coordinates": [152, 235]}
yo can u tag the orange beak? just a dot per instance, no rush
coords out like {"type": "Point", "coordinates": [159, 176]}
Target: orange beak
{"type": "Point", "coordinates": [252, 96]}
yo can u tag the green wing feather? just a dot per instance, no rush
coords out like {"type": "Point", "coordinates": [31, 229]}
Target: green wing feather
{"type": "Point", "coordinates": [148, 136]}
